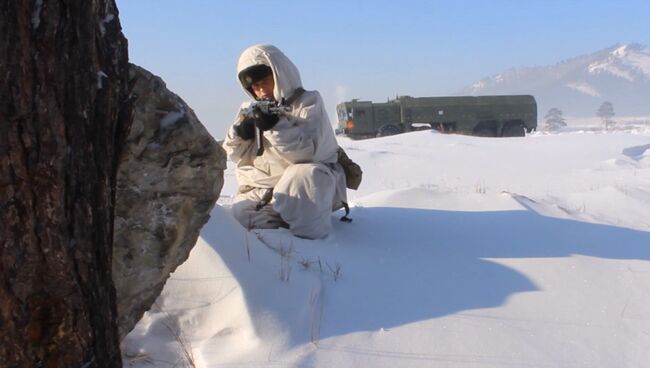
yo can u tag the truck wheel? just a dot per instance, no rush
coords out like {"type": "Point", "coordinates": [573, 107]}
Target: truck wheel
{"type": "Point", "coordinates": [514, 130]}
{"type": "Point", "coordinates": [387, 130]}
{"type": "Point", "coordinates": [484, 132]}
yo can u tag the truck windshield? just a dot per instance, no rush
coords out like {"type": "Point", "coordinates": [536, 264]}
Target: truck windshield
{"type": "Point", "coordinates": [342, 113]}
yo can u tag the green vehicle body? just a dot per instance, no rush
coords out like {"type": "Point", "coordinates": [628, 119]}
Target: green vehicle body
{"type": "Point", "coordinates": [489, 116]}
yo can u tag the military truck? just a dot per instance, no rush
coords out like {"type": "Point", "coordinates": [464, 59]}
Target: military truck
{"type": "Point", "coordinates": [487, 116]}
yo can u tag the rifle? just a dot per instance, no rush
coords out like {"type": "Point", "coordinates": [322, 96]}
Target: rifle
{"type": "Point", "coordinates": [269, 107]}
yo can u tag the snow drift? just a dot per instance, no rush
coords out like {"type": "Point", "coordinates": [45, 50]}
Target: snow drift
{"type": "Point", "coordinates": [463, 252]}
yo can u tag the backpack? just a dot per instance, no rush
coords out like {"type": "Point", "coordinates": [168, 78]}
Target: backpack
{"type": "Point", "coordinates": [352, 170]}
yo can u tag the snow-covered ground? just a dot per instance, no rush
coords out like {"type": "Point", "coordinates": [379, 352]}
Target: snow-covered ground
{"type": "Point", "coordinates": [633, 124]}
{"type": "Point", "coordinates": [463, 252]}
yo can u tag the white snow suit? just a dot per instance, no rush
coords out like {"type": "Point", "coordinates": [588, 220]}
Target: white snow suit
{"type": "Point", "coordinates": [299, 161]}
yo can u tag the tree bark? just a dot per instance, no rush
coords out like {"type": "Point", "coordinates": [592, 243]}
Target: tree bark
{"type": "Point", "coordinates": [63, 114]}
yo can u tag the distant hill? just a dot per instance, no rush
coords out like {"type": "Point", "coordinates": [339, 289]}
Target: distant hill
{"type": "Point", "coordinates": [619, 74]}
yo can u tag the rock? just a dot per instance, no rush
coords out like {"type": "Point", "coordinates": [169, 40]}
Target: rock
{"type": "Point", "coordinates": [169, 178]}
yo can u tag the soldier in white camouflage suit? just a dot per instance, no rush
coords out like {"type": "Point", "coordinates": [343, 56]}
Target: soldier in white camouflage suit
{"type": "Point", "coordinates": [298, 160]}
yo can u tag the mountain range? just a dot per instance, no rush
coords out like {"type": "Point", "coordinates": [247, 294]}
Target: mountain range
{"type": "Point", "coordinates": [578, 86]}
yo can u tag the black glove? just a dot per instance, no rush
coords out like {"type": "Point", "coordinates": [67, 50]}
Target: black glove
{"type": "Point", "coordinates": [246, 129]}
{"type": "Point", "coordinates": [264, 121]}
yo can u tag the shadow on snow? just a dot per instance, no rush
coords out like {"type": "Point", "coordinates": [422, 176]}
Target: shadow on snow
{"type": "Point", "coordinates": [407, 265]}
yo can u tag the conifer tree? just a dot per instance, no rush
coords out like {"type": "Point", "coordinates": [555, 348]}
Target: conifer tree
{"type": "Point", "coordinates": [605, 113]}
{"type": "Point", "coordinates": [554, 119]}
{"type": "Point", "coordinates": [64, 67]}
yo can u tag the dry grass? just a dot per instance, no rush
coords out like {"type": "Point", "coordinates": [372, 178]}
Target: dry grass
{"type": "Point", "coordinates": [185, 345]}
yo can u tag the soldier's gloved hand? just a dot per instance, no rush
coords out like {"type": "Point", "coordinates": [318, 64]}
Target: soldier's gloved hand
{"type": "Point", "coordinates": [264, 121]}
{"type": "Point", "coordinates": [246, 129]}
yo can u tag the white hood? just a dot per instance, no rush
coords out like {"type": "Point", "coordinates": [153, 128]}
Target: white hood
{"type": "Point", "coordinates": [285, 73]}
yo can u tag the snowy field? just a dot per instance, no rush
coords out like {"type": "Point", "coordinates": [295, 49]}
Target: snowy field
{"type": "Point", "coordinates": [463, 252]}
{"type": "Point", "coordinates": [629, 124]}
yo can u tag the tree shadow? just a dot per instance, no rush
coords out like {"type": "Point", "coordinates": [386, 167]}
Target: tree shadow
{"type": "Point", "coordinates": [408, 265]}
{"type": "Point", "coordinates": [434, 262]}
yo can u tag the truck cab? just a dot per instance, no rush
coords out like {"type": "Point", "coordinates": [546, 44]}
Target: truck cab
{"type": "Point", "coordinates": [365, 119]}
{"type": "Point", "coordinates": [356, 118]}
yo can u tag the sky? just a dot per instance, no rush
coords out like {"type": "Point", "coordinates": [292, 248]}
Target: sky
{"type": "Point", "coordinates": [371, 50]}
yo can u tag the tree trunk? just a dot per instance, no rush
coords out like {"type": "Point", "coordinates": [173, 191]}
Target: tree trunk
{"type": "Point", "coordinates": [63, 114]}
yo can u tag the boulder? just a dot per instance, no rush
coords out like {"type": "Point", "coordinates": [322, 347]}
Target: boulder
{"type": "Point", "coordinates": [169, 178]}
